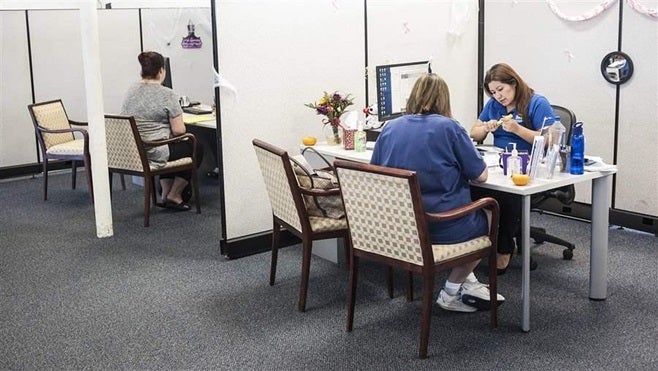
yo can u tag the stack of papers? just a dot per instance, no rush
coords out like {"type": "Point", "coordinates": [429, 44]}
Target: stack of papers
{"type": "Point", "coordinates": [594, 163]}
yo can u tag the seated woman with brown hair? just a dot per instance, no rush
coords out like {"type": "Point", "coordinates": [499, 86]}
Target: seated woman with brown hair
{"type": "Point", "coordinates": [159, 116]}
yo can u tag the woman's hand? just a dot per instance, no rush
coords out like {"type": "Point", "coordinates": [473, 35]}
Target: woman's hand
{"type": "Point", "coordinates": [510, 125]}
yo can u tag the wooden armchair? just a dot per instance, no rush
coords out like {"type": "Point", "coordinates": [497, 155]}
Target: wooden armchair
{"type": "Point", "coordinates": [289, 210]}
{"type": "Point", "coordinates": [387, 224]}
{"type": "Point", "coordinates": [126, 154]}
{"type": "Point", "coordinates": [56, 139]}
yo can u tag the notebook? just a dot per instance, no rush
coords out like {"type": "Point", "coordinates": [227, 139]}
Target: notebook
{"type": "Point", "coordinates": [197, 110]}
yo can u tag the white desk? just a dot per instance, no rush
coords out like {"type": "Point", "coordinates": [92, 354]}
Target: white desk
{"type": "Point", "coordinates": [601, 194]}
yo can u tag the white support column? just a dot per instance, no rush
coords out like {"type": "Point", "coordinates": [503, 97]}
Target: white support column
{"type": "Point", "coordinates": [95, 114]}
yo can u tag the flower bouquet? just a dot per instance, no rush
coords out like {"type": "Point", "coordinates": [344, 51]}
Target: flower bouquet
{"type": "Point", "coordinates": [332, 106]}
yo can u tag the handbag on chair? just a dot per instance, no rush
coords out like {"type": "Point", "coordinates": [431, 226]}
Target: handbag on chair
{"type": "Point", "coordinates": [322, 179]}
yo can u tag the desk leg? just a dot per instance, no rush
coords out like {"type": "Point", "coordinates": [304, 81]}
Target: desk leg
{"type": "Point", "coordinates": [598, 264]}
{"type": "Point", "coordinates": [525, 280]}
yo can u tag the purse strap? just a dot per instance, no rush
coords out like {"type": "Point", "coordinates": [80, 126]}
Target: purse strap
{"type": "Point", "coordinates": [329, 165]}
{"type": "Point", "coordinates": [299, 165]}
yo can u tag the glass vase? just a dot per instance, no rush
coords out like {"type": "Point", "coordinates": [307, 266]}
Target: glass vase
{"type": "Point", "coordinates": [333, 134]}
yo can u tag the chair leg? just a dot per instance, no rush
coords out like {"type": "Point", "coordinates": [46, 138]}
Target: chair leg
{"type": "Point", "coordinates": [45, 178]}
{"type": "Point", "coordinates": [307, 245]}
{"type": "Point", "coordinates": [110, 176]}
{"type": "Point", "coordinates": [74, 173]}
{"type": "Point", "coordinates": [195, 187]}
{"type": "Point", "coordinates": [123, 182]}
{"type": "Point", "coordinates": [90, 181]}
{"type": "Point", "coordinates": [493, 289]}
{"type": "Point", "coordinates": [153, 191]}
{"type": "Point", "coordinates": [410, 287]}
{"type": "Point", "coordinates": [276, 232]}
{"type": "Point", "coordinates": [428, 288]}
{"type": "Point", "coordinates": [389, 281]}
{"type": "Point", "coordinates": [351, 291]}
{"type": "Point", "coordinates": [148, 188]}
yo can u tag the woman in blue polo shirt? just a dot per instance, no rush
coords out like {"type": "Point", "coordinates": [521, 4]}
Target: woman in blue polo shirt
{"type": "Point", "coordinates": [430, 142]}
{"type": "Point", "coordinates": [514, 114]}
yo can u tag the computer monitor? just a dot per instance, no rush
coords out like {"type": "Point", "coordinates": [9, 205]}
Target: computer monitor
{"type": "Point", "coordinates": [167, 80]}
{"type": "Point", "coordinates": [394, 84]}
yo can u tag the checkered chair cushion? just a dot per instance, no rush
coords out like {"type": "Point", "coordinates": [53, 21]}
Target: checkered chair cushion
{"type": "Point", "coordinates": [382, 220]}
{"type": "Point", "coordinates": [278, 188]}
{"type": "Point", "coordinates": [70, 148]}
{"type": "Point", "coordinates": [52, 116]}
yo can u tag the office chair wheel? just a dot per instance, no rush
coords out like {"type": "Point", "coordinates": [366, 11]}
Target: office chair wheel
{"type": "Point", "coordinates": [567, 254]}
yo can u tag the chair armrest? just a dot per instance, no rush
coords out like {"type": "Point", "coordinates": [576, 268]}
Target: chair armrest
{"type": "Point", "coordinates": [78, 123]}
{"type": "Point", "coordinates": [483, 203]}
{"type": "Point", "coordinates": [178, 138]}
{"type": "Point", "coordinates": [61, 131]}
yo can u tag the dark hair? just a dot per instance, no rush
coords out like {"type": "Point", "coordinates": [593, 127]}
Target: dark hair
{"type": "Point", "coordinates": [151, 63]}
{"type": "Point", "coordinates": [523, 93]}
{"type": "Point", "coordinates": [430, 94]}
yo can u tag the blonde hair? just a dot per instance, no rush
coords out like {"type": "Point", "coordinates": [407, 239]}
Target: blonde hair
{"type": "Point", "coordinates": [429, 95]}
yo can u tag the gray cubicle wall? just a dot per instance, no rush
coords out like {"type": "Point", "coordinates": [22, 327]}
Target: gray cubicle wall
{"type": "Point", "coordinates": [636, 189]}
{"type": "Point", "coordinates": [15, 92]}
{"type": "Point", "coordinates": [561, 60]}
{"type": "Point", "coordinates": [191, 69]}
{"type": "Point", "coordinates": [402, 31]}
{"type": "Point", "coordinates": [279, 55]}
{"type": "Point", "coordinates": [57, 70]}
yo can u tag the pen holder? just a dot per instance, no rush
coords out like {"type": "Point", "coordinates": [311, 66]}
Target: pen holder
{"type": "Point", "coordinates": [348, 138]}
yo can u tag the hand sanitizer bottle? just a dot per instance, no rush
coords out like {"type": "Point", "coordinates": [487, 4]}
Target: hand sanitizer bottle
{"type": "Point", "coordinates": [360, 139]}
{"type": "Point", "coordinates": [514, 162]}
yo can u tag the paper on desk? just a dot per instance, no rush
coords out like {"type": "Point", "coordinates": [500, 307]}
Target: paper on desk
{"type": "Point", "coordinates": [595, 163]}
{"type": "Point", "coordinates": [193, 119]}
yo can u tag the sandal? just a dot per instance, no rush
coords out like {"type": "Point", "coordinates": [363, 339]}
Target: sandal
{"type": "Point", "coordinates": [181, 206]}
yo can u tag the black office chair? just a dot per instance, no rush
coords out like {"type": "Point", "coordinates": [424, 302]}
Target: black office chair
{"type": "Point", "coordinates": [565, 195]}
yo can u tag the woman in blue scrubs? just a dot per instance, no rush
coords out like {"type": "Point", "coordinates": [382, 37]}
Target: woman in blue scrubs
{"type": "Point", "coordinates": [514, 113]}
{"type": "Point", "coordinates": [430, 142]}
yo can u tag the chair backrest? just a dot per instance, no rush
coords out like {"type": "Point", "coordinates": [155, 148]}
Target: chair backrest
{"type": "Point", "coordinates": [384, 211]}
{"type": "Point", "coordinates": [123, 144]}
{"type": "Point", "coordinates": [567, 118]}
{"type": "Point", "coordinates": [50, 116]}
{"type": "Point", "coordinates": [281, 183]}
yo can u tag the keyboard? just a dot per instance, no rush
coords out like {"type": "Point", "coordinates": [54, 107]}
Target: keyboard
{"type": "Point", "coordinates": [197, 110]}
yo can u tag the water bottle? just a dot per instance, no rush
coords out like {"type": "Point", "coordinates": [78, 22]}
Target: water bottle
{"type": "Point", "coordinates": [577, 149]}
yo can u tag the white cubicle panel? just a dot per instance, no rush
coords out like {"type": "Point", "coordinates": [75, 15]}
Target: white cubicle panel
{"type": "Point", "coordinates": [401, 31]}
{"type": "Point", "coordinates": [57, 57]}
{"type": "Point", "coordinates": [191, 68]}
{"type": "Point", "coordinates": [560, 60]}
{"type": "Point", "coordinates": [276, 68]}
{"type": "Point", "coordinates": [17, 140]}
{"type": "Point", "coordinates": [637, 182]}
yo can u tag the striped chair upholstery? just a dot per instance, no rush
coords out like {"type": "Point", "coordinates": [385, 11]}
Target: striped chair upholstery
{"type": "Point", "coordinates": [387, 224]}
{"type": "Point", "coordinates": [57, 141]}
{"type": "Point", "coordinates": [126, 154]}
{"type": "Point", "coordinates": [289, 210]}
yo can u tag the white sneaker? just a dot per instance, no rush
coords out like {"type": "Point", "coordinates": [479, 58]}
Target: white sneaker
{"type": "Point", "coordinates": [453, 303]}
{"type": "Point", "coordinates": [476, 294]}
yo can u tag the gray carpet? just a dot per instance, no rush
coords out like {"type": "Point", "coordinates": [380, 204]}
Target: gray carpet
{"type": "Point", "coordinates": [164, 298]}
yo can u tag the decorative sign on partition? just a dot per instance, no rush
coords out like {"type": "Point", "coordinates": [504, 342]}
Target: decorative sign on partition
{"type": "Point", "coordinates": [191, 41]}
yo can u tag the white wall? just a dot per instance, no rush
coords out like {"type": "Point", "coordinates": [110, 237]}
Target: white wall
{"type": "Point", "coordinates": [15, 92]}
{"type": "Point", "coordinates": [402, 31]}
{"type": "Point", "coordinates": [637, 179]}
{"type": "Point", "coordinates": [279, 55]}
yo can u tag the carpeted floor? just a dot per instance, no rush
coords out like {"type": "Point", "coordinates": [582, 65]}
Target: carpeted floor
{"type": "Point", "coordinates": [164, 298]}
